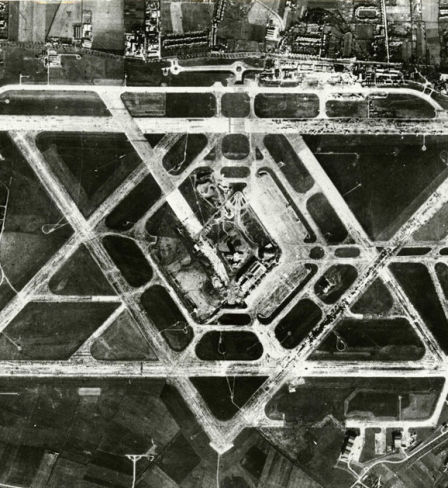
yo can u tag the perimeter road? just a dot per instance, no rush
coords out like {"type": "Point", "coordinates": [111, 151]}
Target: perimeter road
{"type": "Point", "coordinates": [293, 364]}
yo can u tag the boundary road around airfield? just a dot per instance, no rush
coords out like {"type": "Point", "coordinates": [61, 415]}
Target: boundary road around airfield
{"type": "Point", "coordinates": [279, 372]}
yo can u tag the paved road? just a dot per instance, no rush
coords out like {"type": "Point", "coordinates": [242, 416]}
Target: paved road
{"type": "Point", "coordinates": [293, 364]}
{"type": "Point", "coordinates": [80, 225]}
{"type": "Point", "coordinates": [220, 124]}
{"type": "Point", "coordinates": [85, 366]}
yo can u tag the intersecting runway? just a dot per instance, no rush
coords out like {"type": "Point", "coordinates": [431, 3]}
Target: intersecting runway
{"type": "Point", "coordinates": [180, 367]}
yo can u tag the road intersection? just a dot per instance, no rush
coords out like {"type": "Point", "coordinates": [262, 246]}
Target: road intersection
{"type": "Point", "coordinates": [280, 366]}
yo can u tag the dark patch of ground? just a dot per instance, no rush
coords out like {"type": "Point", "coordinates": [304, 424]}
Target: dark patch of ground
{"type": "Point", "coordinates": [414, 251]}
{"type": "Point", "coordinates": [327, 219]}
{"type": "Point", "coordinates": [289, 162]}
{"type": "Point", "coordinates": [167, 317]}
{"type": "Point", "coordinates": [368, 451]}
{"type": "Point", "coordinates": [224, 396]}
{"type": "Point", "coordinates": [235, 146]}
{"type": "Point", "coordinates": [372, 340]}
{"type": "Point", "coordinates": [442, 274]}
{"type": "Point", "coordinates": [30, 232]}
{"type": "Point", "coordinates": [235, 105]}
{"type": "Point", "coordinates": [187, 422]}
{"type": "Point", "coordinates": [154, 139]}
{"type": "Point", "coordinates": [145, 104]}
{"type": "Point", "coordinates": [254, 461]}
{"type": "Point", "coordinates": [235, 319]}
{"type": "Point", "coordinates": [90, 166]}
{"type": "Point", "coordinates": [229, 346]}
{"type": "Point", "coordinates": [400, 106]}
{"type": "Point", "coordinates": [436, 228]}
{"type": "Point", "coordinates": [286, 105]}
{"type": "Point", "coordinates": [35, 102]}
{"type": "Point", "coordinates": [297, 323]}
{"type": "Point", "coordinates": [184, 152]}
{"type": "Point", "coordinates": [134, 205]}
{"type": "Point", "coordinates": [196, 17]}
{"type": "Point", "coordinates": [376, 300]}
{"type": "Point", "coordinates": [179, 459]}
{"type": "Point", "coordinates": [318, 397]}
{"type": "Point", "coordinates": [92, 434]}
{"type": "Point", "coordinates": [52, 330]}
{"type": "Point", "coordinates": [180, 105]}
{"type": "Point", "coordinates": [140, 73]}
{"type": "Point", "coordinates": [233, 481]}
{"type": "Point", "coordinates": [347, 252]}
{"type": "Point", "coordinates": [317, 253]}
{"type": "Point", "coordinates": [417, 283]}
{"type": "Point", "coordinates": [335, 282]}
{"type": "Point", "coordinates": [346, 108]}
{"type": "Point", "coordinates": [129, 259]}
{"type": "Point", "coordinates": [235, 172]}
{"type": "Point", "coordinates": [369, 402]}
{"type": "Point", "coordinates": [383, 179]}
{"type": "Point", "coordinates": [315, 450]}
{"type": "Point", "coordinates": [80, 275]}
{"type": "Point", "coordinates": [123, 341]}
{"type": "Point", "coordinates": [89, 69]}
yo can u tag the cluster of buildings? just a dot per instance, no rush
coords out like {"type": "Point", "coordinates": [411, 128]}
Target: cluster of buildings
{"type": "Point", "coordinates": [4, 12]}
{"type": "Point", "coordinates": [374, 76]}
{"type": "Point", "coordinates": [294, 72]}
{"type": "Point", "coordinates": [368, 30]}
{"type": "Point", "coordinates": [348, 446]}
{"type": "Point", "coordinates": [401, 440]}
{"type": "Point", "coordinates": [178, 44]}
{"type": "Point", "coordinates": [368, 13]}
{"type": "Point", "coordinates": [218, 15]}
{"type": "Point", "coordinates": [242, 243]}
{"type": "Point", "coordinates": [392, 31]}
{"type": "Point", "coordinates": [82, 31]}
{"type": "Point", "coordinates": [257, 268]}
{"type": "Point", "coordinates": [327, 34]}
{"type": "Point", "coordinates": [144, 42]}
{"type": "Point", "coordinates": [360, 30]}
{"type": "Point", "coordinates": [443, 26]}
{"type": "Point", "coordinates": [443, 10]}
{"type": "Point", "coordinates": [304, 38]}
{"type": "Point", "coordinates": [392, 442]}
{"type": "Point", "coordinates": [272, 32]}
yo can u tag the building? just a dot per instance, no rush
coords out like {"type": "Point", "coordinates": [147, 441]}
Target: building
{"type": "Point", "coordinates": [144, 41]}
{"type": "Point", "coordinates": [368, 13]}
{"type": "Point", "coordinates": [272, 33]}
{"type": "Point", "coordinates": [397, 438]}
{"type": "Point", "coordinates": [175, 44]}
{"type": "Point", "coordinates": [348, 446]}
